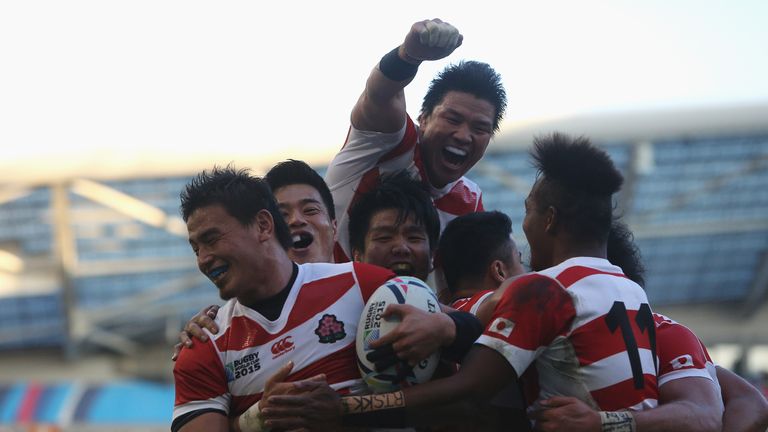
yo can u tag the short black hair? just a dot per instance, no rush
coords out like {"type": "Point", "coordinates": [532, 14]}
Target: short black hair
{"type": "Point", "coordinates": [240, 193]}
{"type": "Point", "coordinates": [623, 252]}
{"type": "Point", "coordinates": [291, 172]}
{"type": "Point", "coordinates": [473, 77]}
{"type": "Point", "coordinates": [471, 242]}
{"type": "Point", "coordinates": [578, 179]}
{"type": "Point", "coordinates": [397, 191]}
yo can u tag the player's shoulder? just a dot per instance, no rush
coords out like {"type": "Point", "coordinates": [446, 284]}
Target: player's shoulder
{"type": "Point", "coordinates": [372, 271]}
{"type": "Point", "coordinates": [534, 286]}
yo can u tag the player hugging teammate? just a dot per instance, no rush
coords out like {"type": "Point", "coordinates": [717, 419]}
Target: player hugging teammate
{"type": "Point", "coordinates": [576, 334]}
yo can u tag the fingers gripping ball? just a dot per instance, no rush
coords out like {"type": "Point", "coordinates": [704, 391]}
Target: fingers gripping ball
{"type": "Point", "coordinates": [399, 290]}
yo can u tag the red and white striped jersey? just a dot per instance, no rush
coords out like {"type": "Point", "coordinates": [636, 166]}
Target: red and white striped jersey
{"type": "Point", "coordinates": [367, 155]}
{"type": "Point", "coordinates": [681, 353]}
{"type": "Point", "coordinates": [316, 330]}
{"type": "Point", "coordinates": [588, 329]}
{"type": "Point", "coordinates": [471, 304]}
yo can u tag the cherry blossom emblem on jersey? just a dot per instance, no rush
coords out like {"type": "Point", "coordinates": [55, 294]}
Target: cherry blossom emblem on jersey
{"type": "Point", "coordinates": [330, 329]}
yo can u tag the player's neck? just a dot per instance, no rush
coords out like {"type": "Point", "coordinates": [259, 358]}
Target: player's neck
{"type": "Point", "coordinates": [567, 250]}
{"type": "Point", "coordinates": [277, 272]}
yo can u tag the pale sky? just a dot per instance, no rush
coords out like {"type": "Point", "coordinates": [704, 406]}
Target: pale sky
{"type": "Point", "coordinates": [101, 88]}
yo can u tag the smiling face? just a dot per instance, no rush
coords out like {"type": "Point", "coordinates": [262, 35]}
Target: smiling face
{"type": "Point", "coordinates": [228, 253]}
{"type": "Point", "coordinates": [454, 136]}
{"type": "Point", "coordinates": [313, 232]}
{"type": "Point", "coordinates": [402, 248]}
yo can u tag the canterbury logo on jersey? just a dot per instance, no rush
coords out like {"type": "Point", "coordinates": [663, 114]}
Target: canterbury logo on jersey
{"type": "Point", "coordinates": [282, 346]}
{"type": "Point", "coordinates": [247, 364]}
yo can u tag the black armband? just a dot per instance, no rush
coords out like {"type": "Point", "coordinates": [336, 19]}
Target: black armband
{"type": "Point", "coordinates": [395, 68]}
{"type": "Point", "coordinates": [468, 329]}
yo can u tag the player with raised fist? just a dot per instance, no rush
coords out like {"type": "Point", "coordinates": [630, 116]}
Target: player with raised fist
{"type": "Point", "coordinates": [460, 113]}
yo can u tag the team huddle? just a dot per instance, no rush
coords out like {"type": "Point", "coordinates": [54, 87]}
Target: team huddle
{"type": "Point", "coordinates": [571, 345]}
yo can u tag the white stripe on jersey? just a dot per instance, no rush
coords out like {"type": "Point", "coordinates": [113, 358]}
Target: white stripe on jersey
{"type": "Point", "coordinates": [684, 373]}
{"type": "Point", "coordinates": [220, 402]}
{"type": "Point", "coordinates": [613, 369]}
{"type": "Point", "coordinates": [594, 295]}
{"type": "Point", "coordinates": [513, 354]}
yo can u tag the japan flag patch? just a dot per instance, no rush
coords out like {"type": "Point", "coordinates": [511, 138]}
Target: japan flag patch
{"type": "Point", "coordinates": [682, 361]}
{"type": "Point", "coordinates": [501, 326]}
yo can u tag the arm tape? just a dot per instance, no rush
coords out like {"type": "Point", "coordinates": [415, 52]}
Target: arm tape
{"type": "Point", "coordinates": [617, 421]}
{"type": "Point", "coordinates": [382, 410]}
{"type": "Point", "coordinates": [250, 420]}
{"type": "Point", "coordinates": [395, 68]}
{"type": "Point", "coordinates": [468, 329]}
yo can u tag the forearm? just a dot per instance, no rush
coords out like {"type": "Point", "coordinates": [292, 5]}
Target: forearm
{"type": "Point", "coordinates": [381, 107]}
{"type": "Point", "coordinates": [746, 410]}
{"type": "Point", "coordinates": [679, 416]}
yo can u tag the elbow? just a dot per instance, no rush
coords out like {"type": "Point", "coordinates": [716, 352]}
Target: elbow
{"type": "Point", "coordinates": [709, 421]}
{"type": "Point", "coordinates": [763, 413]}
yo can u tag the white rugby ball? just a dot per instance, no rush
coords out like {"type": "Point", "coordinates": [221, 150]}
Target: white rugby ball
{"type": "Point", "coordinates": [398, 290]}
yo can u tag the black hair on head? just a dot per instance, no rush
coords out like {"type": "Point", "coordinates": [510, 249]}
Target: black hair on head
{"type": "Point", "coordinates": [623, 252]}
{"type": "Point", "coordinates": [397, 191]}
{"type": "Point", "coordinates": [291, 172]}
{"type": "Point", "coordinates": [578, 179]}
{"type": "Point", "coordinates": [241, 194]}
{"type": "Point", "coordinates": [576, 164]}
{"type": "Point", "coordinates": [473, 77]}
{"type": "Point", "coordinates": [470, 243]}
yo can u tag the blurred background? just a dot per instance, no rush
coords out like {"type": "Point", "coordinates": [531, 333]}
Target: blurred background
{"type": "Point", "coordinates": [108, 108]}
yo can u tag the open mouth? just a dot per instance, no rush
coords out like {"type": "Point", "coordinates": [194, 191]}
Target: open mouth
{"type": "Point", "coordinates": [454, 156]}
{"type": "Point", "coordinates": [218, 272]}
{"type": "Point", "coordinates": [302, 240]}
{"type": "Point", "coordinates": [402, 269]}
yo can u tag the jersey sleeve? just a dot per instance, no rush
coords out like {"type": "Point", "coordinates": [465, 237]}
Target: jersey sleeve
{"type": "Point", "coordinates": [471, 304]}
{"type": "Point", "coordinates": [200, 381]}
{"type": "Point", "coordinates": [370, 277]}
{"type": "Point", "coordinates": [681, 353]}
{"type": "Point", "coordinates": [531, 313]}
{"type": "Point", "coordinates": [357, 166]}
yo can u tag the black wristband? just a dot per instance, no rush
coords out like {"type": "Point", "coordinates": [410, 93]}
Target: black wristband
{"type": "Point", "coordinates": [468, 329]}
{"type": "Point", "coordinates": [395, 68]}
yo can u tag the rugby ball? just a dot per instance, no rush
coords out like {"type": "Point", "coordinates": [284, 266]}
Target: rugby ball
{"type": "Point", "coordinates": [398, 290]}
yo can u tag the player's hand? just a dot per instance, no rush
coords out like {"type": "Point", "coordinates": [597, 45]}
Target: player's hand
{"type": "Point", "coordinates": [276, 384]}
{"type": "Point", "coordinates": [419, 335]}
{"type": "Point", "coordinates": [430, 40]}
{"type": "Point", "coordinates": [565, 413]}
{"type": "Point", "coordinates": [194, 329]}
{"type": "Point", "coordinates": [316, 407]}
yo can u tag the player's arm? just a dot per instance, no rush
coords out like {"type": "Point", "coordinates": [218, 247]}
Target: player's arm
{"type": "Point", "coordinates": [202, 397]}
{"type": "Point", "coordinates": [687, 404]}
{"type": "Point", "coordinates": [381, 106]}
{"type": "Point", "coordinates": [420, 334]}
{"type": "Point", "coordinates": [746, 410]}
{"type": "Point", "coordinates": [483, 375]}
{"type": "Point", "coordinates": [208, 422]}
{"type": "Point", "coordinates": [194, 329]}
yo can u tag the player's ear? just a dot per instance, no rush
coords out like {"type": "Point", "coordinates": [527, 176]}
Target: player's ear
{"type": "Point", "coordinates": [356, 256]}
{"type": "Point", "coordinates": [264, 224]}
{"type": "Point", "coordinates": [551, 219]}
{"type": "Point", "coordinates": [498, 271]}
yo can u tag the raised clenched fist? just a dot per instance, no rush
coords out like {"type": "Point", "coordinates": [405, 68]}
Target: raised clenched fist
{"type": "Point", "coordinates": [430, 40]}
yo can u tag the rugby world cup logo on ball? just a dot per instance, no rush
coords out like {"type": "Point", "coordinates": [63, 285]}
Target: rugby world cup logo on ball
{"type": "Point", "coordinates": [399, 290]}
